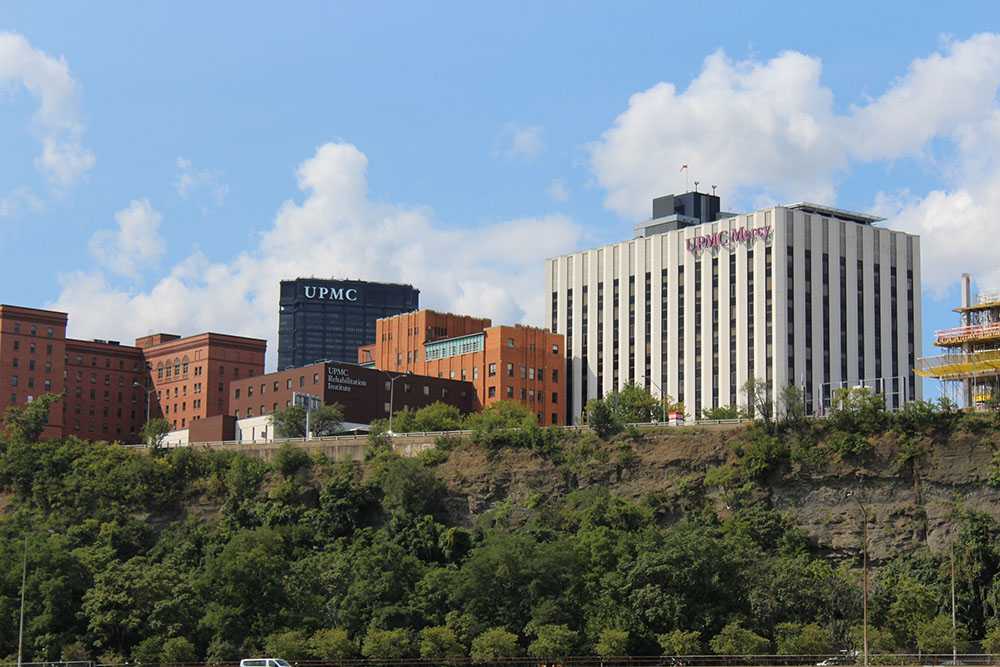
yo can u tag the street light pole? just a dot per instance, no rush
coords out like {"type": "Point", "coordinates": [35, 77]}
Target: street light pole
{"type": "Point", "coordinates": [392, 391]}
{"type": "Point", "coordinates": [24, 582]}
{"type": "Point", "coordinates": [954, 624]}
{"type": "Point", "coordinates": [864, 565]}
{"type": "Point", "coordinates": [663, 405]}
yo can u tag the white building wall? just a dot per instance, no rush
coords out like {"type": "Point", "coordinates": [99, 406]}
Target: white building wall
{"type": "Point", "coordinates": [789, 361]}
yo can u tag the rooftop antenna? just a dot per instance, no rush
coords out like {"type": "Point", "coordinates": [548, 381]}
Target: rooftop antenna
{"type": "Point", "coordinates": [696, 186]}
{"type": "Point", "coordinates": [713, 189]}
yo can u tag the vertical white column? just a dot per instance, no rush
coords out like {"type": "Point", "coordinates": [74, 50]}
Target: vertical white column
{"type": "Point", "coordinates": [576, 352]}
{"type": "Point", "coordinates": [689, 318]}
{"type": "Point", "coordinates": [673, 244]}
{"type": "Point", "coordinates": [779, 280]}
{"type": "Point", "coordinates": [625, 268]}
{"type": "Point", "coordinates": [656, 332]}
{"type": "Point", "coordinates": [639, 250]}
{"type": "Point", "coordinates": [608, 274]}
{"type": "Point", "coordinates": [742, 297]}
{"type": "Point", "coordinates": [853, 325]}
{"type": "Point", "coordinates": [868, 276]}
{"type": "Point", "coordinates": [799, 243]}
{"type": "Point", "coordinates": [593, 276]}
{"type": "Point", "coordinates": [901, 327]}
{"type": "Point", "coordinates": [550, 266]}
{"type": "Point", "coordinates": [815, 231]}
{"type": "Point", "coordinates": [725, 362]}
{"type": "Point", "coordinates": [707, 330]}
{"type": "Point", "coordinates": [835, 228]}
{"type": "Point", "coordinates": [885, 305]}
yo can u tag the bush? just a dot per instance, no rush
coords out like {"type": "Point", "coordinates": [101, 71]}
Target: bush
{"type": "Point", "coordinates": [432, 457]}
{"type": "Point", "coordinates": [289, 459]}
{"type": "Point", "coordinates": [936, 636]}
{"type": "Point", "coordinates": [290, 645]}
{"type": "Point", "coordinates": [991, 641]}
{"type": "Point", "coordinates": [440, 642]}
{"type": "Point", "coordinates": [737, 640]}
{"type": "Point", "coordinates": [177, 650]}
{"type": "Point", "coordinates": [388, 644]}
{"type": "Point", "coordinates": [332, 644]}
{"type": "Point", "coordinates": [553, 641]}
{"type": "Point", "coordinates": [848, 443]}
{"type": "Point", "coordinates": [494, 643]}
{"type": "Point", "coordinates": [798, 639]}
{"type": "Point", "coordinates": [612, 642]}
{"type": "Point", "coordinates": [680, 642]}
{"type": "Point", "coordinates": [601, 419]}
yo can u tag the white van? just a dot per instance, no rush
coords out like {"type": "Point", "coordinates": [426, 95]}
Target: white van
{"type": "Point", "coordinates": [264, 662]}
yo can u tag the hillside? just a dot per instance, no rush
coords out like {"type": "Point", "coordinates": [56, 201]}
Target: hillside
{"type": "Point", "coordinates": [517, 540]}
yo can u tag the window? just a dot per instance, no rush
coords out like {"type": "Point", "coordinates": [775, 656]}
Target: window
{"type": "Point", "coordinates": [510, 391]}
{"type": "Point", "coordinates": [555, 349]}
{"type": "Point", "coordinates": [302, 380]}
{"type": "Point", "coordinates": [531, 373]}
{"type": "Point", "coordinates": [237, 394]}
{"type": "Point", "coordinates": [13, 380]}
{"type": "Point", "coordinates": [315, 378]}
{"type": "Point", "coordinates": [17, 345]}
{"type": "Point", "coordinates": [249, 390]}
{"type": "Point", "coordinates": [48, 332]}
{"type": "Point", "coordinates": [249, 412]}
{"type": "Point", "coordinates": [262, 388]}
{"type": "Point", "coordinates": [275, 387]}
{"type": "Point", "coordinates": [510, 342]}
{"type": "Point", "coordinates": [288, 383]}
{"type": "Point", "coordinates": [555, 398]}
{"type": "Point", "coordinates": [555, 375]}
{"type": "Point", "coordinates": [427, 390]}
{"type": "Point", "coordinates": [15, 364]}
{"type": "Point", "coordinates": [451, 375]}
{"type": "Point", "coordinates": [510, 370]}
{"type": "Point", "coordinates": [492, 371]}
{"type": "Point", "coordinates": [492, 392]}
{"type": "Point", "coordinates": [475, 373]}
{"type": "Point", "coordinates": [555, 418]}
{"type": "Point", "coordinates": [31, 364]}
{"type": "Point", "coordinates": [48, 385]}
{"type": "Point", "coordinates": [263, 410]}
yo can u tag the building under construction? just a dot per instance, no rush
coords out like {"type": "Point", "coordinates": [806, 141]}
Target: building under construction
{"type": "Point", "coordinates": [969, 369]}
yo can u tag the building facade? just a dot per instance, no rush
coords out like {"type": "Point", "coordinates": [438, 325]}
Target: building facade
{"type": "Point", "coordinates": [514, 363]}
{"type": "Point", "coordinates": [701, 300]}
{"type": "Point", "coordinates": [32, 359]}
{"type": "Point", "coordinates": [104, 383]}
{"type": "Point", "coordinates": [364, 393]}
{"type": "Point", "coordinates": [321, 320]}
{"type": "Point", "coordinates": [190, 376]}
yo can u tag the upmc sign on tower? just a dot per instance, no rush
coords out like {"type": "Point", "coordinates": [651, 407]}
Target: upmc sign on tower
{"type": "Point", "coordinates": [330, 319]}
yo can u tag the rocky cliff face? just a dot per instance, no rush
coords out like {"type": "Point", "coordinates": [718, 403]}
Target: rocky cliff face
{"type": "Point", "coordinates": [910, 488]}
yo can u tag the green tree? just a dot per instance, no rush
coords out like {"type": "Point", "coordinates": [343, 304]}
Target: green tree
{"type": "Point", "coordinates": [936, 635]}
{"type": "Point", "coordinates": [323, 421]}
{"type": "Point", "coordinates": [991, 640]}
{"type": "Point", "coordinates": [440, 642]}
{"type": "Point", "coordinates": [388, 644]}
{"type": "Point", "coordinates": [601, 419]}
{"type": "Point", "coordinates": [332, 644]}
{"type": "Point", "coordinates": [288, 644]}
{"type": "Point", "coordinates": [759, 403]}
{"type": "Point", "coordinates": [633, 404]}
{"type": "Point", "coordinates": [553, 641]}
{"type": "Point", "coordinates": [914, 605]}
{"type": "Point", "coordinates": [494, 643]}
{"type": "Point", "coordinates": [178, 650]}
{"type": "Point", "coordinates": [680, 642]}
{"type": "Point", "coordinates": [437, 416]}
{"type": "Point", "coordinates": [612, 642]}
{"type": "Point", "coordinates": [734, 639]}
{"type": "Point", "coordinates": [25, 423]}
{"type": "Point", "coordinates": [793, 403]}
{"type": "Point", "coordinates": [857, 409]}
{"type": "Point", "coordinates": [155, 431]}
{"type": "Point", "coordinates": [799, 639]}
{"type": "Point", "coordinates": [289, 459]}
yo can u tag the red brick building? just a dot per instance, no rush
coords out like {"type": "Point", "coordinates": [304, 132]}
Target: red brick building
{"type": "Point", "coordinates": [514, 363]}
{"type": "Point", "coordinates": [104, 383]}
{"type": "Point", "coordinates": [363, 393]}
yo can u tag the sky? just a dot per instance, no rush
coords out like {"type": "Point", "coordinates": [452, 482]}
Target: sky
{"type": "Point", "coordinates": [164, 164]}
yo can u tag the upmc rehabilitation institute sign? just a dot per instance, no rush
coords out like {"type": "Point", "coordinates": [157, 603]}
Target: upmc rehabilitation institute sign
{"type": "Point", "coordinates": [727, 239]}
{"type": "Point", "coordinates": [339, 379]}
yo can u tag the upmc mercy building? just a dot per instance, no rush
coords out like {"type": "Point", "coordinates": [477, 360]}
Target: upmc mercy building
{"type": "Point", "coordinates": [701, 300]}
{"type": "Point", "coordinates": [330, 319]}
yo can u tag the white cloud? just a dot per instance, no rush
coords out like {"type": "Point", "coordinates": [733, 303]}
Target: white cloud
{"type": "Point", "coordinates": [558, 191]}
{"type": "Point", "coordinates": [18, 200]}
{"type": "Point", "coordinates": [135, 245]}
{"type": "Point", "coordinates": [63, 159]}
{"type": "Point", "coordinates": [524, 142]}
{"type": "Point", "coordinates": [492, 270]}
{"type": "Point", "coordinates": [767, 131]}
{"type": "Point", "coordinates": [191, 180]}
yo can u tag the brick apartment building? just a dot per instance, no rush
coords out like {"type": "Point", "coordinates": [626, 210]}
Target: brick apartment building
{"type": "Point", "coordinates": [363, 393]}
{"type": "Point", "coordinates": [103, 383]}
{"type": "Point", "coordinates": [514, 363]}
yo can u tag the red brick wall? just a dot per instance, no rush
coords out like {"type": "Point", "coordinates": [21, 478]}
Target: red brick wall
{"type": "Point", "coordinates": [32, 359]}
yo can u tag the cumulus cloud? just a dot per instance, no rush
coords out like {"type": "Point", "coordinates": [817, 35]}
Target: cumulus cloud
{"type": "Point", "coordinates": [63, 159]}
{"type": "Point", "coordinates": [191, 181]}
{"type": "Point", "coordinates": [134, 245]}
{"type": "Point", "coordinates": [768, 132]}
{"type": "Point", "coordinates": [334, 229]}
{"type": "Point", "coordinates": [524, 142]}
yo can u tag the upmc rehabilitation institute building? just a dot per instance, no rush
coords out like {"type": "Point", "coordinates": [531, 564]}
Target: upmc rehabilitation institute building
{"type": "Point", "coordinates": [701, 300]}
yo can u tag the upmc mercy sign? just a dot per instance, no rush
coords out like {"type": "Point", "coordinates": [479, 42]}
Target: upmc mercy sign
{"type": "Point", "coordinates": [330, 293]}
{"type": "Point", "coordinates": [727, 239]}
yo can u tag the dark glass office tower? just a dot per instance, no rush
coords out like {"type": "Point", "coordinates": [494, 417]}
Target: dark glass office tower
{"type": "Point", "coordinates": [330, 319]}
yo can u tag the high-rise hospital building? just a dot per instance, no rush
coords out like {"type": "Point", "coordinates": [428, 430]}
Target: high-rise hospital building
{"type": "Point", "coordinates": [701, 300]}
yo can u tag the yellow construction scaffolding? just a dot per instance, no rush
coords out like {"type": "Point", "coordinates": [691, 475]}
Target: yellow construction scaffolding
{"type": "Point", "coordinates": [960, 365]}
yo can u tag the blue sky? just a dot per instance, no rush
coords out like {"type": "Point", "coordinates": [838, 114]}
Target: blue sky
{"type": "Point", "coordinates": [204, 149]}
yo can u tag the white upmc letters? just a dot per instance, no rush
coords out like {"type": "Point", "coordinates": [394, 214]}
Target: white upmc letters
{"type": "Point", "coordinates": [331, 293]}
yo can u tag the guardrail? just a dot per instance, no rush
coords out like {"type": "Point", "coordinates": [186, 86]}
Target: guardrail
{"type": "Point", "coordinates": [333, 439]}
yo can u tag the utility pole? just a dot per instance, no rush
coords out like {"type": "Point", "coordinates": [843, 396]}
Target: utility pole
{"type": "Point", "coordinates": [24, 582]}
{"type": "Point", "coordinates": [864, 513]}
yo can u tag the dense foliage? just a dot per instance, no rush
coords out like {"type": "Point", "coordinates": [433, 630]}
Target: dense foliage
{"type": "Point", "coordinates": [185, 554]}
